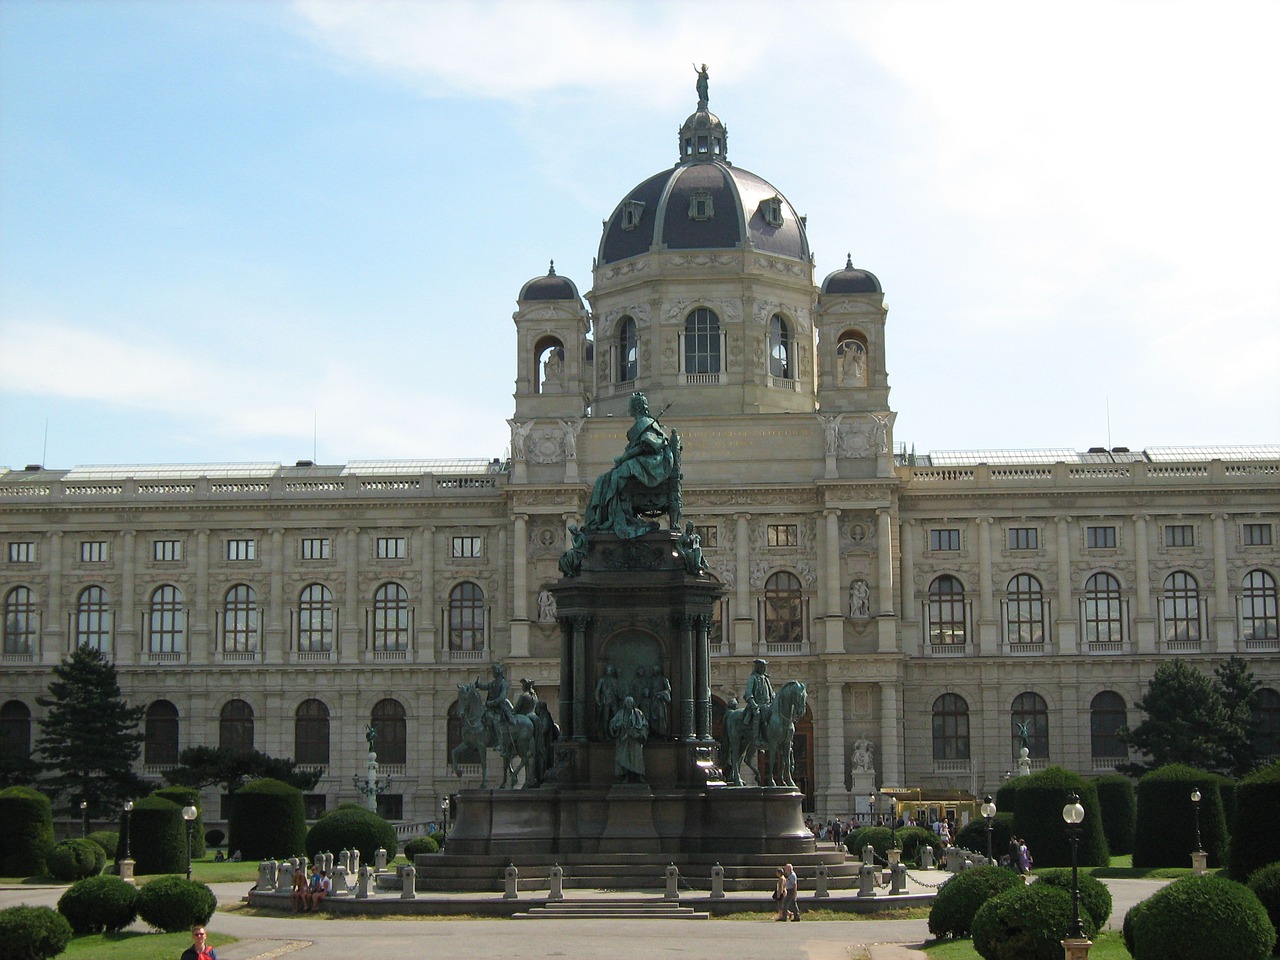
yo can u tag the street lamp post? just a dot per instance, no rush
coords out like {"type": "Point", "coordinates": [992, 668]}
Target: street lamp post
{"type": "Point", "coordinates": [444, 815]}
{"type": "Point", "coordinates": [989, 814]}
{"type": "Point", "coordinates": [1073, 814]}
{"type": "Point", "coordinates": [1195, 809]}
{"type": "Point", "coordinates": [84, 818]}
{"type": "Point", "coordinates": [189, 814]}
{"type": "Point", "coordinates": [128, 825]}
{"type": "Point", "coordinates": [871, 809]}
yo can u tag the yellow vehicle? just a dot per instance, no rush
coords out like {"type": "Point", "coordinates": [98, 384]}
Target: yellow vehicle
{"type": "Point", "coordinates": [925, 807]}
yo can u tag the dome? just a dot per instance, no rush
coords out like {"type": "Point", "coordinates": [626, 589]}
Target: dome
{"type": "Point", "coordinates": [851, 280]}
{"type": "Point", "coordinates": [550, 287]}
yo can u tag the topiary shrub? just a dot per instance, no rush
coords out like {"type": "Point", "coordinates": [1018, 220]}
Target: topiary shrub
{"type": "Point", "coordinates": [1130, 920]}
{"type": "Point", "coordinates": [879, 837]}
{"type": "Point", "coordinates": [1119, 806]}
{"type": "Point", "coordinates": [1025, 923]}
{"type": "Point", "coordinates": [1197, 917]}
{"type": "Point", "coordinates": [1165, 832]}
{"type": "Point", "coordinates": [1007, 795]}
{"type": "Point", "coordinates": [1037, 819]}
{"type": "Point", "coordinates": [175, 904]}
{"type": "Point", "coordinates": [27, 836]}
{"type": "Point", "coordinates": [33, 933]}
{"type": "Point", "coordinates": [1095, 898]}
{"type": "Point", "coordinates": [352, 829]}
{"type": "Point", "coordinates": [1265, 884]}
{"type": "Point", "coordinates": [108, 840]}
{"type": "Point", "coordinates": [187, 797]}
{"type": "Point", "coordinates": [960, 897]}
{"type": "Point", "coordinates": [1257, 799]}
{"type": "Point", "coordinates": [214, 837]}
{"type": "Point", "coordinates": [973, 835]}
{"type": "Point", "coordinates": [911, 839]}
{"type": "Point", "coordinates": [418, 846]}
{"type": "Point", "coordinates": [76, 859]}
{"type": "Point", "coordinates": [268, 820]}
{"type": "Point", "coordinates": [100, 903]}
{"type": "Point", "coordinates": [158, 837]}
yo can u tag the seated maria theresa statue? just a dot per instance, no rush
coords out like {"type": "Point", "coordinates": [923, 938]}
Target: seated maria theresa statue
{"type": "Point", "coordinates": [644, 482]}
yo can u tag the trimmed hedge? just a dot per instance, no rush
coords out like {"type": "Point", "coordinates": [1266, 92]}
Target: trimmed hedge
{"type": "Point", "coordinates": [1119, 806]}
{"type": "Point", "coordinates": [27, 836]}
{"type": "Point", "coordinates": [1095, 898]}
{"type": "Point", "coordinates": [960, 897]}
{"type": "Point", "coordinates": [911, 839]}
{"type": "Point", "coordinates": [420, 846]}
{"type": "Point", "coordinates": [879, 837]}
{"type": "Point", "coordinates": [268, 821]}
{"type": "Point", "coordinates": [1254, 843]}
{"type": "Point", "coordinates": [76, 859]}
{"type": "Point", "coordinates": [1165, 833]}
{"type": "Point", "coordinates": [33, 933]}
{"type": "Point", "coordinates": [187, 797]}
{"type": "Point", "coordinates": [1037, 819]}
{"type": "Point", "coordinates": [214, 837]}
{"type": "Point", "coordinates": [1265, 884]}
{"type": "Point", "coordinates": [158, 837]}
{"type": "Point", "coordinates": [100, 903]}
{"type": "Point", "coordinates": [1197, 917]}
{"type": "Point", "coordinates": [352, 829]}
{"type": "Point", "coordinates": [973, 835]}
{"type": "Point", "coordinates": [108, 840]}
{"type": "Point", "coordinates": [175, 904]}
{"type": "Point", "coordinates": [1026, 923]}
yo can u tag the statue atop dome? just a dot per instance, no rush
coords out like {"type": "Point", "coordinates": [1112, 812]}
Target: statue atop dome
{"type": "Point", "coordinates": [703, 96]}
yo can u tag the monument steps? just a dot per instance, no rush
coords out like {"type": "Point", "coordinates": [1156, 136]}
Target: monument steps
{"type": "Point", "coordinates": [646, 909]}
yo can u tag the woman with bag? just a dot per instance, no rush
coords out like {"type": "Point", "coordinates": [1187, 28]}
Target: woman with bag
{"type": "Point", "coordinates": [780, 893]}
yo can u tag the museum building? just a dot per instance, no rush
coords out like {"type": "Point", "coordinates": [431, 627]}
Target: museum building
{"type": "Point", "coordinates": [933, 605]}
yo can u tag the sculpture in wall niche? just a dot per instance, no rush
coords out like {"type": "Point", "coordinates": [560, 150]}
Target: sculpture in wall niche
{"type": "Point", "coordinates": [570, 562]}
{"type": "Point", "coordinates": [608, 695]}
{"type": "Point", "coordinates": [519, 437]}
{"type": "Point", "coordinates": [659, 702]}
{"type": "Point", "coordinates": [546, 606]}
{"type": "Point", "coordinates": [643, 483]}
{"type": "Point", "coordinates": [859, 600]}
{"type": "Point", "coordinates": [571, 429]}
{"type": "Point", "coordinates": [863, 755]}
{"type": "Point", "coordinates": [553, 368]}
{"type": "Point", "coordinates": [852, 357]}
{"type": "Point", "coordinates": [629, 729]}
{"type": "Point", "coordinates": [690, 548]}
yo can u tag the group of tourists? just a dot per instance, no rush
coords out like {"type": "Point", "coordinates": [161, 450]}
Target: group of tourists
{"type": "Point", "coordinates": [306, 896]}
{"type": "Point", "coordinates": [784, 892]}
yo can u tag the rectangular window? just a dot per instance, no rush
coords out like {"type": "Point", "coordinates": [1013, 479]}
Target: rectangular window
{"type": "Point", "coordinates": [944, 539]}
{"type": "Point", "coordinates": [1257, 534]}
{"type": "Point", "coordinates": [166, 550]}
{"type": "Point", "coordinates": [1100, 538]}
{"type": "Point", "coordinates": [710, 535]}
{"type": "Point", "coordinates": [1024, 538]}
{"type": "Point", "coordinates": [315, 548]}
{"type": "Point", "coordinates": [313, 805]}
{"type": "Point", "coordinates": [1179, 535]}
{"type": "Point", "coordinates": [391, 806]}
{"type": "Point", "coordinates": [783, 535]}
{"type": "Point", "coordinates": [467, 547]}
{"type": "Point", "coordinates": [242, 550]}
{"type": "Point", "coordinates": [22, 552]}
{"type": "Point", "coordinates": [390, 548]}
{"type": "Point", "coordinates": [93, 551]}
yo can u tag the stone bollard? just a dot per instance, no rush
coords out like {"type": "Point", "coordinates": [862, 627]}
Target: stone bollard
{"type": "Point", "coordinates": [379, 860]}
{"type": "Point", "coordinates": [926, 857]}
{"type": "Point", "coordinates": [341, 885]}
{"type": "Point", "coordinates": [898, 880]}
{"type": "Point", "coordinates": [344, 859]}
{"type": "Point", "coordinates": [673, 883]}
{"type": "Point", "coordinates": [556, 879]}
{"type": "Point", "coordinates": [287, 870]}
{"type": "Point", "coordinates": [273, 874]}
{"type": "Point", "coordinates": [355, 862]}
{"type": "Point", "coordinates": [868, 854]}
{"type": "Point", "coordinates": [867, 880]}
{"type": "Point", "coordinates": [362, 886]}
{"type": "Point", "coordinates": [408, 883]}
{"type": "Point", "coordinates": [955, 860]}
{"type": "Point", "coordinates": [264, 877]}
{"type": "Point", "coordinates": [512, 878]}
{"type": "Point", "coordinates": [820, 881]}
{"type": "Point", "coordinates": [717, 882]}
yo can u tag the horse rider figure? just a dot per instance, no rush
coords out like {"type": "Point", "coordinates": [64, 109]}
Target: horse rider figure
{"type": "Point", "coordinates": [497, 708]}
{"type": "Point", "coordinates": [758, 696]}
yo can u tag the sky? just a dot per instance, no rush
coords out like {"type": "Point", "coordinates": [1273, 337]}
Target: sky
{"type": "Point", "coordinates": [268, 231]}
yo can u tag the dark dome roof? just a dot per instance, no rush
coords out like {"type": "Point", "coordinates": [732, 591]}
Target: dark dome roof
{"type": "Point", "coordinates": [550, 287]}
{"type": "Point", "coordinates": [851, 280]}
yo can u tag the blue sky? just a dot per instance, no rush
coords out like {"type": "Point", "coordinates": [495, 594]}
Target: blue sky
{"type": "Point", "coordinates": [258, 231]}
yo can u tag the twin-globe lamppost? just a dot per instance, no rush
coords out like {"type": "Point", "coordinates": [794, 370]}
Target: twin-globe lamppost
{"type": "Point", "coordinates": [1073, 814]}
{"type": "Point", "coordinates": [988, 810]}
{"type": "Point", "coordinates": [189, 814]}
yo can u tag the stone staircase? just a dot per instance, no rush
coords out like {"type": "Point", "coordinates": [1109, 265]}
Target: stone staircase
{"type": "Point", "coordinates": [627, 909]}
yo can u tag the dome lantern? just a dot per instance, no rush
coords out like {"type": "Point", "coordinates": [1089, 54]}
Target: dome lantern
{"type": "Point", "coordinates": [703, 136]}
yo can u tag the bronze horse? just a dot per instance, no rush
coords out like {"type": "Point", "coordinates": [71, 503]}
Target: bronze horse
{"type": "Point", "coordinates": [741, 744]}
{"type": "Point", "coordinates": [480, 732]}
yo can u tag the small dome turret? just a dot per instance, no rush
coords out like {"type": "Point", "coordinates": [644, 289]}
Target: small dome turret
{"type": "Point", "coordinates": [550, 287]}
{"type": "Point", "coordinates": [851, 280]}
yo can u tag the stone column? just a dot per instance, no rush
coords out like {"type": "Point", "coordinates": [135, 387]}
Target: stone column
{"type": "Point", "coordinates": [702, 684]}
{"type": "Point", "coordinates": [1224, 614]}
{"type": "Point", "coordinates": [833, 737]}
{"type": "Point", "coordinates": [1067, 637]}
{"type": "Point", "coordinates": [428, 651]}
{"type": "Point", "coordinates": [581, 695]}
{"type": "Point", "coordinates": [125, 640]}
{"type": "Point", "coordinates": [890, 735]}
{"type": "Point", "coordinates": [274, 641]}
{"type": "Point", "coordinates": [685, 627]}
{"type": "Point", "coordinates": [743, 621]}
{"type": "Point", "coordinates": [50, 637]}
{"type": "Point", "coordinates": [567, 681]}
{"type": "Point", "coordinates": [1144, 629]}
{"type": "Point", "coordinates": [834, 578]}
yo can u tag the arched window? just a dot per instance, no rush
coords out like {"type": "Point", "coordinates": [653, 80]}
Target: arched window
{"type": "Point", "coordinates": [235, 727]}
{"type": "Point", "coordinates": [702, 342]}
{"type": "Point", "coordinates": [1258, 620]}
{"type": "Point", "coordinates": [780, 349]}
{"type": "Point", "coordinates": [947, 621]}
{"type": "Point", "coordinates": [1266, 724]}
{"type": "Point", "coordinates": [851, 360]}
{"type": "Point", "coordinates": [15, 730]}
{"type": "Point", "coordinates": [391, 618]}
{"type": "Point", "coordinates": [315, 619]}
{"type": "Point", "coordinates": [466, 617]}
{"type": "Point", "coordinates": [240, 620]}
{"type": "Point", "coordinates": [1181, 607]}
{"type": "Point", "coordinates": [168, 621]}
{"type": "Point", "coordinates": [311, 733]}
{"type": "Point", "coordinates": [550, 365]}
{"type": "Point", "coordinates": [1030, 713]}
{"type": "Point", "coordinates": [783, 609]}
{"type": "Point", "coordinates": [1024, 611]}
{"type": "Point", "coordinates": [20, 621]}
{"type": "Point", "coordinates": [1107, 717]}
{"type": "Point", "coordinates": [628, 351]}
{"type": "Point", "coordinates": [388, 719]}
{"type": "Point", "coordinates": [160, 736]}
{"type": "Point", "coordinates": [93, 619]}
{"type": "Point", "coordinates": [1103, 609]}
{"type": "Point", "coordinates": [950, 728]}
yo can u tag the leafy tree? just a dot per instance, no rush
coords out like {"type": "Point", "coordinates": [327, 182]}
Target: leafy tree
{"type": "Point", "coordinates": [230, 769]}
{"type": "Point", "coordinates": [1239, 689]}
{"type": "Point", "coordinates": [1191, 719]}
{"type": "Point", "coordinates": [89, 738]}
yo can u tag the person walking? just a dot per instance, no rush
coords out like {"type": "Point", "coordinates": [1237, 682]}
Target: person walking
{"type": "Point", "coordinates": [780, 893]}
{"type": "Point", "coordinates": [789, 904]}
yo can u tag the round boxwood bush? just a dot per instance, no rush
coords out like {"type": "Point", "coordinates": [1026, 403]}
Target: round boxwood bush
{"type": "Point", "coordinates": [1037, 819]}
{"type": "Point", "coordinates": [879, 837]}
{"type": "Point", "coordinates": [108, 840]}
{"type": "Point", "coordinates": [1095, 898]}
{"type": "Point", "coordinates": [1025, 923]}
{"type": "Point", "coordinates": [27, 836]}
{"type": "Point", "coordinates": [268, 821]}
{"type": "Point", "coordinates": [1130, 920]}
{"type": "Point", "coordinates": [158, 837]}
{"type": "Point", "coordinates": [973, 835]}
{"type": "Point", "coordinates": [1119, 811]}
{"type": "Point", "coordinates": [174, 904]}
{"type": "Point", "coordinates": [1197, 917]}
{"type": "Point", "coordinates": [99, 903]}
{"type": "Point", "coordinates": [420, 845]}
{"type": "Point", "coordinates": [1165, 831]}
{"type": "Point", "coordinates": [214, 837]}
{"type": "Point", "coordinates": [439, 837]}
{"type": "Point", "coordinates": [1265, 884]}
{"type": "Point", "coordinates": [912, 839]}
{"type": "Point", "coordinates": [1254, 843]}
{"type": "Point", "coordinates": [352, 829]}
{"type": "Point", "coordinates": [33, 933]}
{"type": "Point", "coordinates": [76, 859]}
{"type": "Point", "coordinates": [960, 897]}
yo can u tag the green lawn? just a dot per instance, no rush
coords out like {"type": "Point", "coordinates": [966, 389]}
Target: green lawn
{"type": "Point", "coordinates": [136, 946]}
{"type": "Point", "coordinates": [1106, 946]}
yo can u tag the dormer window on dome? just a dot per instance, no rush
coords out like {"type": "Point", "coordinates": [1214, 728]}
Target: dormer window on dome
{"type": "Point", "coordinates": [701, 206]}
{"type": "Point", "coordinates": [632, 211]}
{"type": "Point", "coordinates": [771, 210]}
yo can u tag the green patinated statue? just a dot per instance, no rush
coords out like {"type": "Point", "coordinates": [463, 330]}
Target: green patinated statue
{"type": "Point", "coordinates": [629, 729]}
{"type": "Point", "coordinates": [644, 482]}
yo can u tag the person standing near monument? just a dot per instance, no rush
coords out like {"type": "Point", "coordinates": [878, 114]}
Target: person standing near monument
{"type": "Point", "coordinates": [629, 729]}
{"type": "Point", "coordinates": [758, 696]}
{"type": "Point", "coordinates": [789, 904]}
